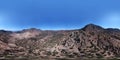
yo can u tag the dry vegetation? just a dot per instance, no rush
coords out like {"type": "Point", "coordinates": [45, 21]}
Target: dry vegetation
{"type": "Point", "coordinates": [90, 41]}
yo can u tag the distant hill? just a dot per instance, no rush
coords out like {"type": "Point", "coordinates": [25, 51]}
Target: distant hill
{"type": "Point", "coordinates": [91, 41]}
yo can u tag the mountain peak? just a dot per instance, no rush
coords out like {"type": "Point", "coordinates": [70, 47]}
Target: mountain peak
{"type": "Point", "coordinates": [92, 27]}
{"type": "Point", "coordinates": [29, 30]}
{"type": "Point", "coordinates": [32, 29]}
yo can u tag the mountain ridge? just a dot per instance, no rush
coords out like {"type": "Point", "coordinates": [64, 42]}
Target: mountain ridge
{"type": "Point", "coordinates": [33, 28]}
{"type": "Point", "coordinates": [89, 41]}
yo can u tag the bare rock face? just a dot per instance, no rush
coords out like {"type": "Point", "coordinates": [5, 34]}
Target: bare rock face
{"type": "Point", "coordinates": [90, 41]}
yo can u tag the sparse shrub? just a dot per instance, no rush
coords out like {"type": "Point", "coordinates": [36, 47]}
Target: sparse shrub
{"type": "Point", "coordinates": [48, 53]}
{"type": "Point", "coordinates": [54, 53]}
{"type": "Point", "coordinates": [92, 33]}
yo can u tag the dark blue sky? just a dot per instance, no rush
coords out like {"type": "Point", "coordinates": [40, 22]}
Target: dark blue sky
{"type": "Point", "coordinates": [58, 14]}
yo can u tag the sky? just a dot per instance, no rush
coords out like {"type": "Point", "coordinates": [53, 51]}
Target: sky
{"type": "Point", "coordinates": [58, 14]}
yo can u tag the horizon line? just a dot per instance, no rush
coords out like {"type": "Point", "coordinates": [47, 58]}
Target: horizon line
{"type": "Point", "coordinates": [54, 29]}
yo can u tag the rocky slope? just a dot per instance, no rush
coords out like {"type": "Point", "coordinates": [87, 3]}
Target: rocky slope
{"type": "Point", "coordinates": [90, 41]}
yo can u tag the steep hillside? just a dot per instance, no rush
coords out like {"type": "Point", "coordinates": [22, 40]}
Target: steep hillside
{"type": "Point", "coordinates": [90, 41]}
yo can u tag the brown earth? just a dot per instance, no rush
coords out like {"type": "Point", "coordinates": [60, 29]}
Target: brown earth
{"type": "Point", "coordinates": [90, 41]}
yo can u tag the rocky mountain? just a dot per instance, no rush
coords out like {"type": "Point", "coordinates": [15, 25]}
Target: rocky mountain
{"type": "Point", "coordinates": [90, 41]}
